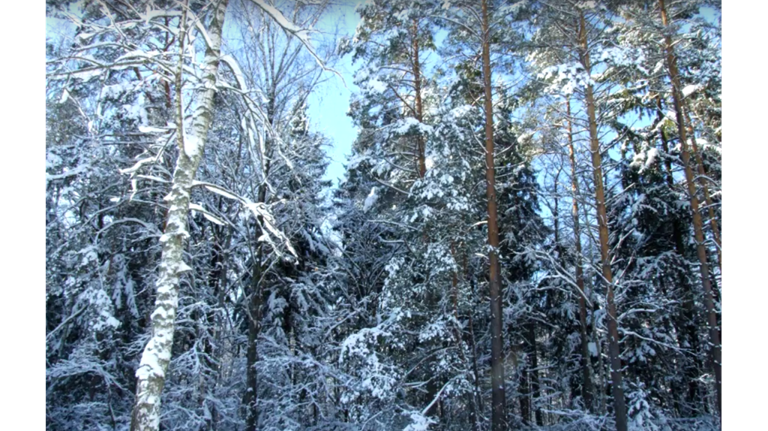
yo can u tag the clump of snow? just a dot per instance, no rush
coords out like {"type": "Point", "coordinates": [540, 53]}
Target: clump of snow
{"type": "Point", "coordinates": [87, 74]}
{"type": "Point", "coordinates": [52, 160]}
{"type": "Point", "coordinates": [371, 199]}
{"type": "Point", "coordinates": [152, 356]}
{"type": "Point", "coordinates": [356, 159]}
{"type": "Point", "coordinates": [587, 5]}
{"type": "Point", "coordinates": [156, 13]}
{"type": "Point", "coordinates": [408, 124]}
{"type": "Point", "coordinates": [690, 89]}
{"type": "Point", "coordinates": [115, 91]}
{"type": "Point", "coordinates": [260, 211]}
{"type": "Point", "coordinates": [376, 86]}
{"type": "Point", "coordinates": [191, 145]}
{"type": "Point", "coordinates": [64, 96]}
{"type": "Point", "coordinates": [644, 160]}
{"type": "Point", "coordinates": [278, 16]}
{"type": "Point", "coordinates": [432, 330]}
{"type": "Point", "coordinates": [525, 137]}
{"type": "Point", "coordinates": [420, 422]}
{"type": "Point", "coordinates": [136, 111]}
{"type": "Point", "coordinates": [356, 344]}
{"type": "Point", "coordinates": [592, 348]}
{"type": "Point", "coordinates": [624, 56]}
{"type": "Point", "coordinates": [651, 158]}
{"type": "Point", "coordinates": [638, 160]}
{"type": "Point", "coordinates": [565, 78]}
{"type": "Point", "coordinates": [147, 129]}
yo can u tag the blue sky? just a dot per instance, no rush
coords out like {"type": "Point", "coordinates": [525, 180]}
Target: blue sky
{"type": "Point", "coordinates": [329, 104]}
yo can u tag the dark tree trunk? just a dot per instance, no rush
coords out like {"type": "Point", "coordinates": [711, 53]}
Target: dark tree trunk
{"type": "Point", "coordinates": [525, 396]}
{"type": "Point", "coordinates": [533, 365]}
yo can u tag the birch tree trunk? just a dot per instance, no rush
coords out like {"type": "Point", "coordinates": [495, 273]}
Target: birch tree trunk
{"type": "Point", "coordinates": [157, 354]}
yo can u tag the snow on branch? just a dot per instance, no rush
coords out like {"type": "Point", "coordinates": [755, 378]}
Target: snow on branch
{"type": "Point", "coordinates": [210, 217]}
{"type": "Point", "coordinates": [301, 33]}
{"type": "Point", "coordinates": [259, 210]}
{"type": "Point", "coordinates": [255, 113]}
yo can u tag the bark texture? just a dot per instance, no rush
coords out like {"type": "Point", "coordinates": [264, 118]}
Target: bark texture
{"type": "Point", "coordinates": [498, 397]}
{"type": "Point", "coordinates": [157, 354]}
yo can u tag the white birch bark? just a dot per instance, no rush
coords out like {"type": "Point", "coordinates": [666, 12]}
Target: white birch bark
{"type": "Point", "coordinates": [157, 354]}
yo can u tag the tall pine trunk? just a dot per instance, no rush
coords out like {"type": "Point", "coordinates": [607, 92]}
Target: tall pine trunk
{"type": "Point", "coordinates": [157, 354]}
{"type": "Point", "coordinates": [498, 397]}
{"type": "Point", "coordinates": [586, 368]}
{"type": "Point", "coordinates": [713, 224]}
{"type": "Point", "coordinates": [698, 230]}
{"type": "Point", "coordinates": [619, 403]}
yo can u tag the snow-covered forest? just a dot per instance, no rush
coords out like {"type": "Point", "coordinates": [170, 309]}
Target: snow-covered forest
{"type": "Point", "coordinates": [526, 235]}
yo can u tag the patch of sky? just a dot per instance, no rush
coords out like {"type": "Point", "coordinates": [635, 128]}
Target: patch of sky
{"type": "Point", "coordinates": [328, 104]}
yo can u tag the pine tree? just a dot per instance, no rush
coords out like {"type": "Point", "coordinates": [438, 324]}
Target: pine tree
{"type": "Point", "coordinates": [714, 333]}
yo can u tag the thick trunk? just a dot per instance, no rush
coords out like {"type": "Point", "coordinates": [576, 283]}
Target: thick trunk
{"type": "Point", "coordinates": [619, 403]}
{"type": "Point", "coordinates": [498, 397]}
{"type": "Point", "coordinates": [157, 354]}
{"type": "Point", "coordinates": [586, 367]}
{"type": "Point", "coordinates": [698, 230]}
